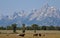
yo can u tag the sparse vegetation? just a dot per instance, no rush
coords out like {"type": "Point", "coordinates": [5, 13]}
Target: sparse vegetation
{"type": "Point", "coordinates": [14, 27]}
{"type": "Point", "coordinates": [39, 31]}
{"type": "Point", "coordinates": [23, 28]}
{"type": "Point", "coordinates": [34, 27]}
{"type": "Point", "coordinates": [31, 27]}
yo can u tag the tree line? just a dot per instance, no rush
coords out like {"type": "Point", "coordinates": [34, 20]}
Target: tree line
{"type": "Point", "coordinates": [32, 27]}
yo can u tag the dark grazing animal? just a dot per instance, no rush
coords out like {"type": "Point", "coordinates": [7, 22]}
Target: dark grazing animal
{"type": "Point", "coordinates": [22, 35]}
{"type": "Point", "coordinates": [39, 34]}
{"type": "Point", "coordinates": [35, 35]}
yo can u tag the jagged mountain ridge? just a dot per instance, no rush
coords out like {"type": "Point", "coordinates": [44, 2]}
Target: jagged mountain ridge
{"type": "Point", "coordinates": [47, 15]}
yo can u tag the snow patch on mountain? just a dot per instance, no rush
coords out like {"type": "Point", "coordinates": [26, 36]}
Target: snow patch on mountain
{"type": "Point", "coordinates": [44, 12]}
{"type": "Point", "coordinates": [47, 15]}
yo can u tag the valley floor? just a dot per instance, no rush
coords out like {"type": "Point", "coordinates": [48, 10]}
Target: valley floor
{"type": "Point", "coordinates": [29, 34]}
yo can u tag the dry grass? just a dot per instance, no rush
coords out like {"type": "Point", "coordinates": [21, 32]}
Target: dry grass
{"type": "Point", "coordinates": [29, 34]}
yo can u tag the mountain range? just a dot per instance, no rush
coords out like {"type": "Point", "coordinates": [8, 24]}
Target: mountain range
{"type": "Point", "coordinates": [46, 15]}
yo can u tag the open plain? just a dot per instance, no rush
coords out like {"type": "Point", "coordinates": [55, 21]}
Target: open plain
{"type": "Point", "coordinates": [29, 34]}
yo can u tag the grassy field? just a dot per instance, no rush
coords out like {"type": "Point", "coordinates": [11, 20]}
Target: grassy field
{"type": "Point", "coordinates": [29, 34]}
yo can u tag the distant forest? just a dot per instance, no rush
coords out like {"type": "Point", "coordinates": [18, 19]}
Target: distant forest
{"type": "Point", "coordinates": [32, 27]}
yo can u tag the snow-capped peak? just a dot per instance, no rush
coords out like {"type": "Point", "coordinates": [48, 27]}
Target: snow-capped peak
{"type": "Point", "coordinates": [47, 15]}
{"type": "Point", "coordinates": [45, 11]}
{"type": "Point", "coordinates": [39, 13]}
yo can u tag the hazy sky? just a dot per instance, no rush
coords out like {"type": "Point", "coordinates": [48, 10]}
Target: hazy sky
{"type": "Point", "coordinates": [11, 6]}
